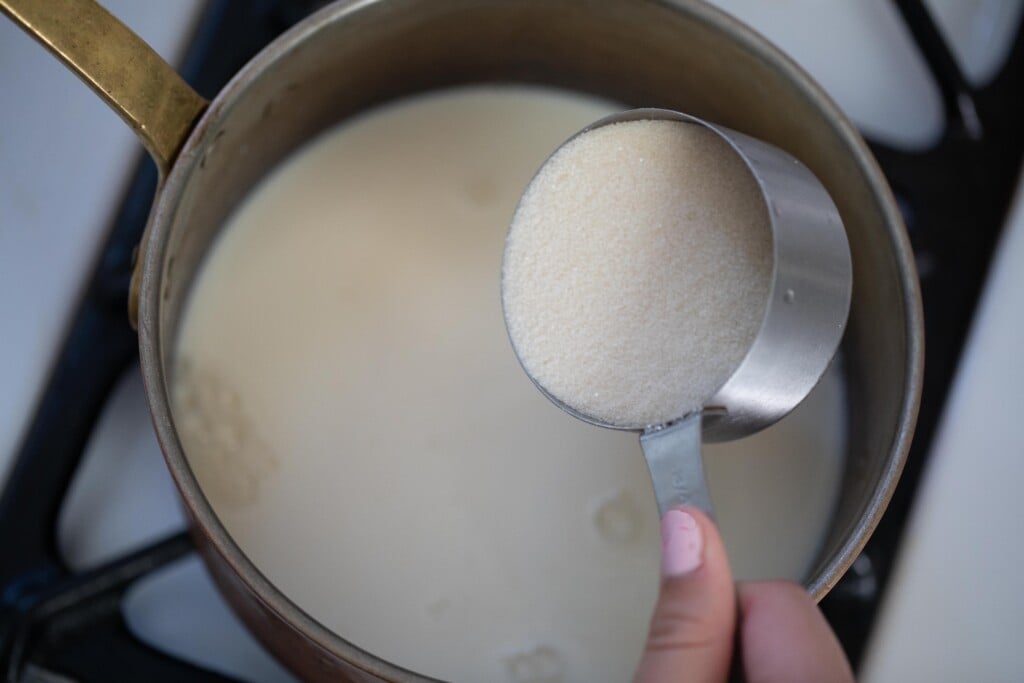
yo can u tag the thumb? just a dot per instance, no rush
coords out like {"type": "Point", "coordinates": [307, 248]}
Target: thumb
{"type": "Point", "coordinates": [691, 636]}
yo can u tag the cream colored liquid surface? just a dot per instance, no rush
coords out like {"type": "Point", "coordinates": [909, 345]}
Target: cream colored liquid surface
{"type": "Point", "coordinates": [349, 400]}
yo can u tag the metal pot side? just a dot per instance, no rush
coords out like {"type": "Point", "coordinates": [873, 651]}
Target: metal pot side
{"type": "Point", "coordinates": [679, 55]}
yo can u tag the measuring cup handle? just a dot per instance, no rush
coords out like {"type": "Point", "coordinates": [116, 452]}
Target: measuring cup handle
{"type": "Point", "coordinates": [125, 72]}
{"type": "Point", "coordinates": [676, 465]}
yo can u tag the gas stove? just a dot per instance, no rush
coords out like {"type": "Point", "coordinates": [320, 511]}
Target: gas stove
{"type": "Point", "coordinates": [98, 579]}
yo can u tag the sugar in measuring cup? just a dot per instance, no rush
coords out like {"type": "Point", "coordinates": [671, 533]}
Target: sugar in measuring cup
{"type": "Point", "coordinates": [670, 276]}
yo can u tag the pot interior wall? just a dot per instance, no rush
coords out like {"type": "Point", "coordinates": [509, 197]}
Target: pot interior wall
{"type": "Point", "coordinates": [685, 57]}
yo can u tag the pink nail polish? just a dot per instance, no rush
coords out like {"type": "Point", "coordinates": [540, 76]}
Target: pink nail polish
{"type": "Point", "coordinates": [682, 545]}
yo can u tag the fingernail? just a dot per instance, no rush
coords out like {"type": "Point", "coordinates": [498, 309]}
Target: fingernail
{"type": "Point", "coordinates": [682, 544]}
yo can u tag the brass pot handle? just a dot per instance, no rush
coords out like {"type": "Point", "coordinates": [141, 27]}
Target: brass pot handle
{"type": "Point", "coordinates": [125, 72]}
{"type": "Point", "coordinates": [140, 86]}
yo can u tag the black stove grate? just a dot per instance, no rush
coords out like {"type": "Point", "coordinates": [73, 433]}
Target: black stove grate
{"type": "Point", "coordinates": [954, 198]}
{"type": "Point", "coordinates": [59, 625]}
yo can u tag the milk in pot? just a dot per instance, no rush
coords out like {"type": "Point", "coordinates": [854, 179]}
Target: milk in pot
{"type": "Point", "coordinates": [347, 396]}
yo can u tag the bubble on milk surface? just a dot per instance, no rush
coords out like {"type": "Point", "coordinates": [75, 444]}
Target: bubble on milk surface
{"type": "Point", "coordinates": [221, 442]}
{"type": "Point", "coordinates": [617, 518]}
{"type": "Point", "coordinates": [542, 664]}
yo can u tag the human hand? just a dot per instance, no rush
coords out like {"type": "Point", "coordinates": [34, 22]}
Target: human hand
{"type": "Point", "coordinates": [782, 636]}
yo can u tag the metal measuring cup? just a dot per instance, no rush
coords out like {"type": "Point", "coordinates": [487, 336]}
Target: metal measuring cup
{"type": "Point", "coordinates": [803, 322]}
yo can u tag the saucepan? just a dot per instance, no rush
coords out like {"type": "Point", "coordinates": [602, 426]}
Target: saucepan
{"type": "Point", "coordinates": [352, 55]}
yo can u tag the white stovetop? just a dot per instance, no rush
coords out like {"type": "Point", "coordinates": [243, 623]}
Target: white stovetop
{"type": "Point", "coordinates": [64, 162]}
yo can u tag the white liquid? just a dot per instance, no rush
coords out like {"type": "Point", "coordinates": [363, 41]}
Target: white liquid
{"type": "Point", "coordinates": [349, 400]}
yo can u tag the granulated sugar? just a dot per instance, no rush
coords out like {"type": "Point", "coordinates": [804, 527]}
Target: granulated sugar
{"type": "Point", "coordinates": [637, 270]}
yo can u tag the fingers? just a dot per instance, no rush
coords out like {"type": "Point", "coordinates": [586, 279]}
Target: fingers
{"type": "Point", "coordinates": [785, 638]}
{"type": "Point", "coordinates": [691, 632]}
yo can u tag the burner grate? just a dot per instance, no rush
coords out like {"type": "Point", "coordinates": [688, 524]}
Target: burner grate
{"type": "Point", "coordinates": [954, 198]}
